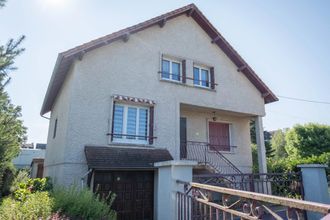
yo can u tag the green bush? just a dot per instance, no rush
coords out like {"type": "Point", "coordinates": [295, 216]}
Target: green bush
{"type": "Point", "coordinates": [82, 203]}
{"type": "Point", "coordinates": [36, 206]}
{"type": "Point", "coordinates": [22, 176]}
{"type": "Point", "coordinates": [28, 186]}
{"type": "Point", "coordinates": [7, 179]}
{"type": "Point", "coordinates": [290, 164]}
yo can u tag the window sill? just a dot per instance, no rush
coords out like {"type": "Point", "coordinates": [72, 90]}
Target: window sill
{"type": "Point", "coordinates": [187, 85]}
{"type": "Point", "coordinates": [130, 144]}
{"type": "Point", "coordinates": [172, 81]}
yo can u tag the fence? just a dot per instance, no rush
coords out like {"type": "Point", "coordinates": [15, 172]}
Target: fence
{"type": "Point", "coordinates": [279, 184]}
{"type": "Point", "coordinates": [201, 201]}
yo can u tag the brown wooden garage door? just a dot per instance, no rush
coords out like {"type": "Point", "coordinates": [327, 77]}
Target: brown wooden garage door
{"type": "Point", "coordinates": [134, 190]}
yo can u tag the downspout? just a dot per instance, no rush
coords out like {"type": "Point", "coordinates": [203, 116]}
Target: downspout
{"type": "Point", "coordinates": [83, 178]}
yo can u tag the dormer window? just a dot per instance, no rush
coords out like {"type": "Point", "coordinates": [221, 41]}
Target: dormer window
{"type": "Point", "coordinates": [201, 76]}
{"type": "Point", "coordinates": [171, 69]}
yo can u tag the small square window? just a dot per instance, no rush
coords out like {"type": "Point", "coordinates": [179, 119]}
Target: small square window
{"type": "Point", "coordinates": [201, 76]}
{"type": "Point", "coordinates": [171, 70]}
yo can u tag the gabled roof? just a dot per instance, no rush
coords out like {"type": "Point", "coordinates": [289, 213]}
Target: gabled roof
{"type": "Point", "coordinates": [65, 59]}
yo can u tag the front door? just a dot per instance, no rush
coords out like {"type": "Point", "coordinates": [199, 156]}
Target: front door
{"type": "Point", "coordinates": [219, 136]}
{"type": "Point", "coordinates": [134, 192]}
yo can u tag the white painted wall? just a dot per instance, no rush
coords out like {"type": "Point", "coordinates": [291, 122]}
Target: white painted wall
{"type": "Point", "coordinates": [83, 107]}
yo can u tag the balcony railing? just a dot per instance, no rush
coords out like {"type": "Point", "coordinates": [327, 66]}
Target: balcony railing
{"type": "Point", "coordinates": [179, 78]}
{"type": "Point", "coordinates": [210, 155]}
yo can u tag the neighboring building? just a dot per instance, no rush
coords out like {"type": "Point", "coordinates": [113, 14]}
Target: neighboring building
{"type": "Point", "coordinates": [41, 146]}
{"type": "Point", "coordinates": [27, 146]}
{"type": "Point", "coordinates": [37, 168]}
{"type": "Point", "coordinates": [27, 153]}
{"type": "Point", "coordinates": [168, 88]}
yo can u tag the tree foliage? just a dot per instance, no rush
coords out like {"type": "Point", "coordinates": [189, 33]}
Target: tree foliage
{"type": "Point", "coordinates": [12, 131]}
{"type": "Point", "coordinates": [308, 140]}
{"type": "Point", "coordinates": [2, 3]}
{"type": "Point", "coordinates": [278, 144]}
{"type": "Point", "coordinates": [269, 150]}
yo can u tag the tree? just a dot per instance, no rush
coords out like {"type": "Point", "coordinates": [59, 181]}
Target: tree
{"type": "Point", "coordinates": [308, 140]}
{"type": "Point", "coordinates": [278, 144]}
{"type": "Point", "coordinates": [2, 3]}
{"type": "Point", "coordinates": [267, 137]}
{"type": "Point", "coordinates": [254, 148]}
{"type": "Point", "coordinates": [12, 131]}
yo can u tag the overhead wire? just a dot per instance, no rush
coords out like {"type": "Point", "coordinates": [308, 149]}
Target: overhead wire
{"type": "Point", "coordinates": [304, 100]}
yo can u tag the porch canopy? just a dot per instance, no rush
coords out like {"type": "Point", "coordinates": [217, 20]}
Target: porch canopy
{"type": "Point", "coordinates": [110, 158]}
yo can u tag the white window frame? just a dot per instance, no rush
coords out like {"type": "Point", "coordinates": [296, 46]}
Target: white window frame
{"type": "Point", "coordinates": [124, 138]}
{"type": "Point", "coordinates": [171, 72]}
{"type": "Point", "coordinates": [200, 68]}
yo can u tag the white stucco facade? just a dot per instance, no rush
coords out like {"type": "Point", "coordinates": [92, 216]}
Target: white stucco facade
{"type": "Point", "coordinates": [83, 107]}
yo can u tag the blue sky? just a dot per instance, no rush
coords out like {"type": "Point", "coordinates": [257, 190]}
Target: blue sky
{"type": "Point", "coordinates": [287, 43]}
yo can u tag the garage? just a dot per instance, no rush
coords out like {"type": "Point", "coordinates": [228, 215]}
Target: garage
{"type": "Point", "coordinates": [134, 190]}
{"type": "Point", "coordinates": [129, 173]}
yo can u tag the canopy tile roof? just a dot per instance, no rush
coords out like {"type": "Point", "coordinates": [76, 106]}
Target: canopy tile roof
{"type": "Point", "coordinates": [103, 158]}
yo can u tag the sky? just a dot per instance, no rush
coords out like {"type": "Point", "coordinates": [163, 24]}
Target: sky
{"type": "Point", "coordinates": [287, 43]}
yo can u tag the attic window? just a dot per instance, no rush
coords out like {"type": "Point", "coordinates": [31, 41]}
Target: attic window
{"type": "Point", "coordinates": [171, 69]}
{"type": "Point", "coordinates": [201, 76]}
{"type": "Point", "coordinates": [204, 76]}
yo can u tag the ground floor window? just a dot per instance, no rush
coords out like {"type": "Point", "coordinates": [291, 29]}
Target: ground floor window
{"type": "Point", "coordinates": [130, 123]}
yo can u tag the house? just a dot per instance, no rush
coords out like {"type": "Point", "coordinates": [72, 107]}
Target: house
{"type": "Point", "coordinates": [170, 88]}
{"type": "Point", "coordinates": [27, 153]}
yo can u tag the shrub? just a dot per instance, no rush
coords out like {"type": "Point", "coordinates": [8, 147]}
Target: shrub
{"type": "Point", "coordinates": [7, 179]}
{"type": "Point", "coordinates": [290, 164]}
{"type": "Point", "coordinates": [36, 206]}
{"type": "Point", "coordinates": [22, 175]}
{"type": "Point", "coordinates": [25, 188]}
{"type": "Point", "coordinates": [82, 203]}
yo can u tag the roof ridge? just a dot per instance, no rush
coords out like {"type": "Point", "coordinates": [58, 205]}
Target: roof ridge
{"type": "Point", "coordinates": [129, 29]}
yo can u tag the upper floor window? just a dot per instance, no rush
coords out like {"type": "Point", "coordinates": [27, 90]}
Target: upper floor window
{"type": "Point", "coordinates": [130, 124]}
{"type": "Point", "coordinates": [171, 69]}
{"type": "Point", "coordinates": [201, 76]}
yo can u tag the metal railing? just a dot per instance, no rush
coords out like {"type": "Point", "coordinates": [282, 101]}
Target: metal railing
{"type": "Point", "coordinates": [201, 201]}
{"type": "Point", "coordinates": [208, 154]}
{"type": "Point", "coordinates": [279, 184]}
{"type": "Point", "coordinates": [180, 77]}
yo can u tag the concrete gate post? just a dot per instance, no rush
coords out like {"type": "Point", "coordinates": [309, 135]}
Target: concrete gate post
{"type": "Point", "coordinates": [166, 186]}
{"type": "Point", "coordinates": [315, 185]}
